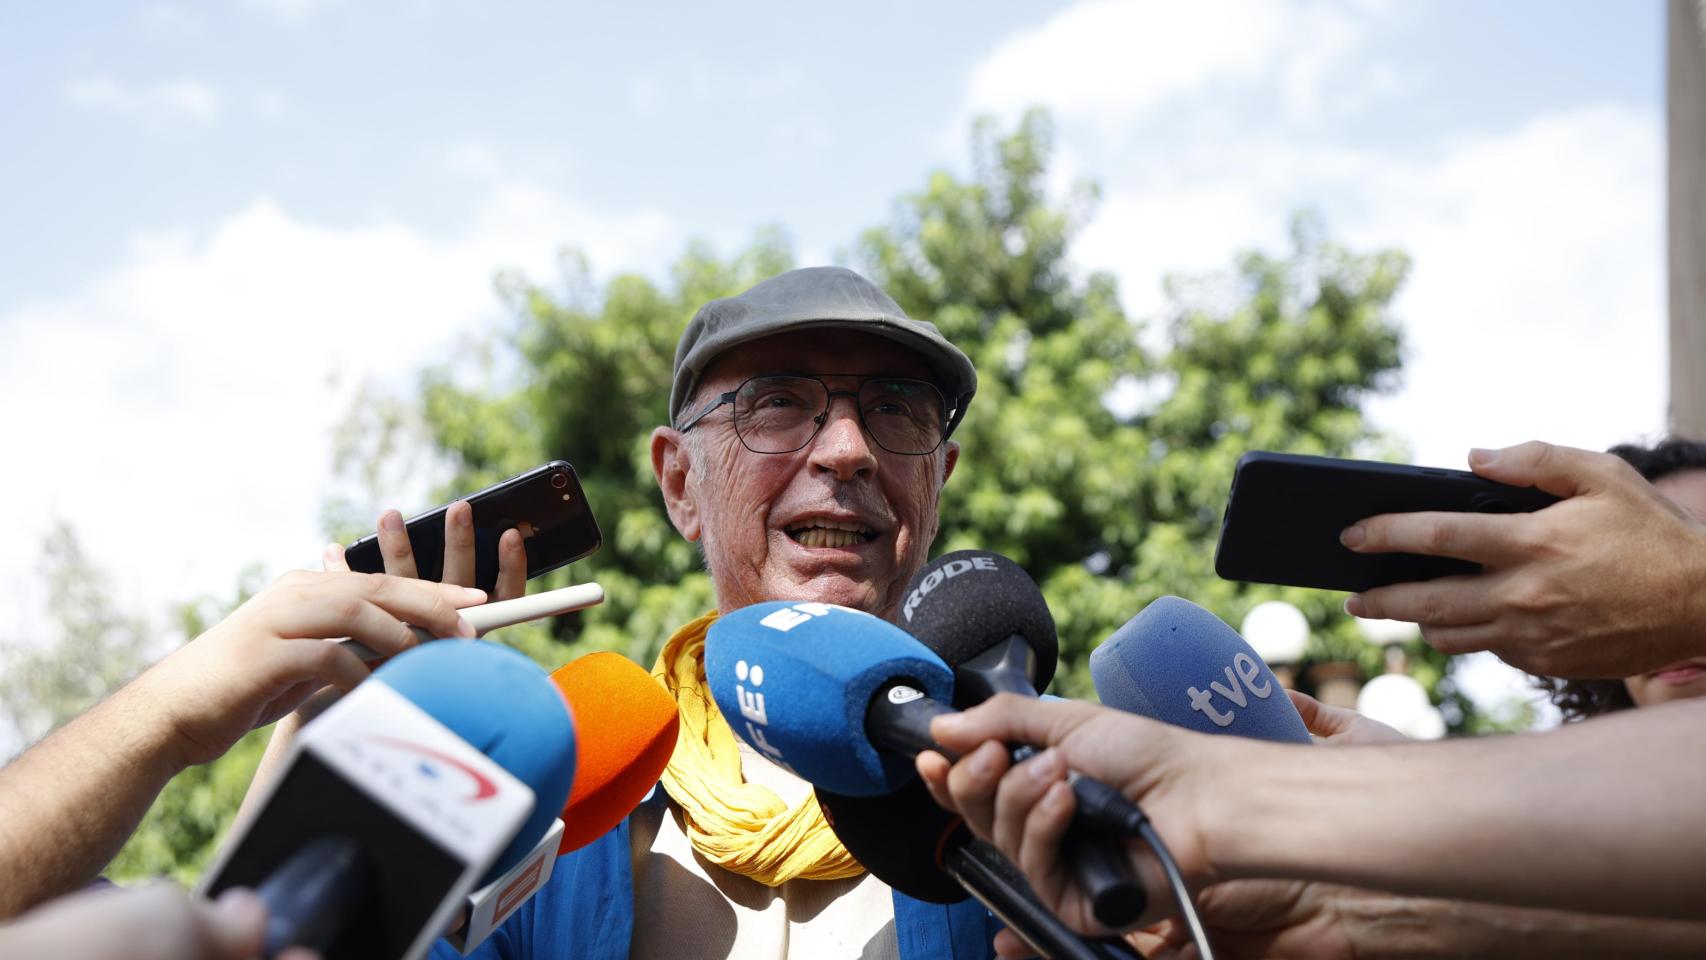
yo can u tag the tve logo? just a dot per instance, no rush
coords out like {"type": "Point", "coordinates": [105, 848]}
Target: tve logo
{"type": "Point", "coordinates": [1250, 672]}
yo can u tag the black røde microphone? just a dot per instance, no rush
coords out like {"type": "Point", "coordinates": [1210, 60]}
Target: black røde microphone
{"type": "Point", "coordinates": [987, 619]}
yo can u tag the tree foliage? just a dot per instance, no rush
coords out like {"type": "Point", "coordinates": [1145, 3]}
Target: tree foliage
{"type": "Point", "coordinates": [1097, 453]}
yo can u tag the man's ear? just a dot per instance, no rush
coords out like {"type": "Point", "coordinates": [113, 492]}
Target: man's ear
{"type": "Point", "coordinates": [672, 463]}
{"type": "Point", "coordinates": [952, 458]}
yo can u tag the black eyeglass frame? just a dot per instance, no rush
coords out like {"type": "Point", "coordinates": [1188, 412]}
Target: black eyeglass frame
{"type": "Point", "coordinates": [822, 416]}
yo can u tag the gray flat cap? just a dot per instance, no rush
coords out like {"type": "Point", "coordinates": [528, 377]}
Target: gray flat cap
{"type": "Point", "coordinates": [815, 297]}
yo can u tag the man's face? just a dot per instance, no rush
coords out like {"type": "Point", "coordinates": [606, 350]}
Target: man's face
{"type": "Point", "coordinates": [840, 521]}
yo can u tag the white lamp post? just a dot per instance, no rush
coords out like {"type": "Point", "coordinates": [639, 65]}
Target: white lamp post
{"type": "Point", "coordinates": [1279, 633]}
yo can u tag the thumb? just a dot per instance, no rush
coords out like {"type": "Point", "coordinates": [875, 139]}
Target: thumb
{"type": "Point", "coordinates": [234, 924]}
{"type": "Point", "coordinates": [1321, 720]}
{"type": "Point", "coordinates": [1560, 471]}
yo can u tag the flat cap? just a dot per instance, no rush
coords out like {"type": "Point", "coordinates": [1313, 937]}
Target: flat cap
{"type": "Point", "coordinates": [816, 298]}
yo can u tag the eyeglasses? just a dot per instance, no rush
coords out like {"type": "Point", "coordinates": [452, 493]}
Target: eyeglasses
{"type": "Point", "coordinates": [781, 414]}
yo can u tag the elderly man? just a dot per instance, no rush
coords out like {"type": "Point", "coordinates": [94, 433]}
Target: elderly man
{"type": "Point", "coordinates": [807, 450]}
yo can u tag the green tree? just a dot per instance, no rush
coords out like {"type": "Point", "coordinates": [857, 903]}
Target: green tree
{"type": "Point", "coordinates": [1098, 462]}
{"type": "Point", "coordinates": [93, 646]}
{"type": "Point", "coordinates": [1107, 501]}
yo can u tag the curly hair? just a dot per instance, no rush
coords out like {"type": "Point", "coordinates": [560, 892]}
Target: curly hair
{"type": "Point", "coordinates": [1580, 699]}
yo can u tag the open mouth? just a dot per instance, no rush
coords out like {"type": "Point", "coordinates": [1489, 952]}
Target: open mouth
{"type": "Point", "coordinates": [831, 533]}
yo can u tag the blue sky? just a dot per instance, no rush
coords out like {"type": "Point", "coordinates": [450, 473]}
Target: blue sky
{"type": "Point", "coordinates": [227, 217]}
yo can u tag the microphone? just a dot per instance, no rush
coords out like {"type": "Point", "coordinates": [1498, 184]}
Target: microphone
{"type": "Point", "coordinates": [445, 767]}
{"type": "Point", "coordinates": [844, 700]}
{"type": "Point", "coordinates": [925, 852]}
{"type": "Point", "coordinates": [627, 724]}
{"type": "Point", "coordinates": [801, 682]}
{"type": "Point", "coordinates": [986, 618]}
{"type": "Point", "coordinates": [1180, 664]}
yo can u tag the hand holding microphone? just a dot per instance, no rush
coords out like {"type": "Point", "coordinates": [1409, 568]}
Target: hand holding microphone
{"type": "Point", "coordinates": [447, 767]}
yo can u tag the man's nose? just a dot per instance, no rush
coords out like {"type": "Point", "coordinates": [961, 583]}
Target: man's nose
{"type": "Point", "coordinates": [842, 448]}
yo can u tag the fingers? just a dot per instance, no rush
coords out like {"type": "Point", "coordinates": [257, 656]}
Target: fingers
{"type": "Point", "coordinates": [394, 546]}
{"type": "Point", "coordinates": [320, 663]}
{"type": "Point", "coordinates": [373, 608]}
{"type": "Point", "coordinates": [1486, 538]}
{"type": "Point", "coordinates": [332, 561]}
{"type": "Point", "coordinates": [1340, 725]}
{"type": "Point", "coordinates": [233, 925]}
{"type": "Point", "coordinates": [1017, 795]}
{"type": "Point", "coordinates": [1011, 946]}
{"type": "Point", "coordinates": [1446, 602]}
{"type": "Point", "coordinates": [1038, 853]}
{"type": "Point", "coordinates": [1560, 471]}
{"type": "Point", "coordinates": [933, 770]}
{"type": "Point", "coordinates": [512, 566]}
{"type": "Point", "coordinates": [1013, 719]}
{"type": "Point", "coordinates": [1320, 719]}
{"type": "Point", "coordinates": [972, 784]}
{"type": "Point", "coordinates": [459, 544]}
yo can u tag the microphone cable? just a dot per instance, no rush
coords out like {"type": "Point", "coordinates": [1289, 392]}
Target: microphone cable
{"type": "Point", "coordinates": [1181, 894]}
{"type": "Point", "coordinates": [1133, 822]}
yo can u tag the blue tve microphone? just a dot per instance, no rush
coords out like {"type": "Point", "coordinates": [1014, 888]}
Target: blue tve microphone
{"type": "Point", "coordinates": [1177, 663]}
{"type": "Point", "coordinates": [810, 685]}
{"type": "Point", "coordinates": [444, 768]}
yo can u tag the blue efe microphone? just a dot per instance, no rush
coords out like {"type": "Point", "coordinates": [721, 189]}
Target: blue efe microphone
{"type": "Point", "coordinates": [801, 683]}
{"type": "Point", "coordinates": [844, 700]}
{"type": "Point", "coordinates": [506, 707]}
{"type": "Point", "coordinates": [1180, 664]}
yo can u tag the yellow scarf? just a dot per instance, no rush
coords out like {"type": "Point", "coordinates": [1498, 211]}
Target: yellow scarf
{"type": "Point", "coordinates": [744, 828]}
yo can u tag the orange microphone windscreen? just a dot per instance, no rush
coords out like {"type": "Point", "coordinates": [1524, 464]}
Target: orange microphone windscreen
{"type": "Point", "coordinates": [625, 723]}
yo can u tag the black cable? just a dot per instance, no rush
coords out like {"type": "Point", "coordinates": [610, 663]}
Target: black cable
{"type": "Point", "coordinates": [1181, 893]}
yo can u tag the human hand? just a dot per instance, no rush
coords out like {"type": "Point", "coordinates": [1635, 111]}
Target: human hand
{"type": "Point", "coordinates": [1338, 726]}
{"type": "Point", "coordinates": [1025, 810]}
{"type": "Point", "coordinates": [399, 555]}
{"type": "Point", "coordinates": [272, 653]}
{"type": "Point", "coordinates": [1262, 920]}
{"type": "Point", "coordinates": [157, 922]}
{"type": "Point", "coordinates": [1609, 582]}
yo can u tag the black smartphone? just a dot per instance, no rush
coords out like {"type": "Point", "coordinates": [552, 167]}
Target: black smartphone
{"type": "Point", "coordinates": [1285, 512]}
{"type": "Point", "coordinates": [546, 504]}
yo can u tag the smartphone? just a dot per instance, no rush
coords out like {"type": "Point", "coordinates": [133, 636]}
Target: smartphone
{"type": "Point", "coordinates": [546, 504]}
{"type": "Point", "coordinates": [1285, 512]}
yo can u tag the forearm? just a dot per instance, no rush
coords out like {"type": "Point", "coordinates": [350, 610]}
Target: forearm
{"type": "Point", "coordinates": [1510, 819]}
{"type": "Point", "coordinates": [68, 804]}
{"type": "Point", "coordinates": [1383, 927]}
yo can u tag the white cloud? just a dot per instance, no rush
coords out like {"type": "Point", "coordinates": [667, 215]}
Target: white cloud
{"type": "Point", "coordinates": [180, 99]}
{"type": "Point", "coordinates": [474, 160]}
{"type": "Point", "coordinates": [1111, 62]}
{"type": "Point", "coordinates": [1535, 304]}
{"type": "Point", "coordinates": [290, 11]}
{"type": "Point", "coordinates": [180, 405]}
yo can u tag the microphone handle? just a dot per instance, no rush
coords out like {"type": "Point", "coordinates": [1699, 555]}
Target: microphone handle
{"type": "Point", "coordinates": [898, 722]}
{"type": "Point", "coordinates": [311, 896]}
{"type": "Point", "coordinates": [988, 876]}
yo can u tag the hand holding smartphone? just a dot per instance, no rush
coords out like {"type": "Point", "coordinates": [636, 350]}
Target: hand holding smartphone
{"type": "Point", "coordinates": [545, 505]}
{"type": "Point", "coordinates": [1285, 512]}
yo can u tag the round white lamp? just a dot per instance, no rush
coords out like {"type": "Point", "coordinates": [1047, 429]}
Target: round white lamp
{"type": "Point", "coordinates": [1401, 703]}
{"type": "Point", "coordinates": [1278, 631]}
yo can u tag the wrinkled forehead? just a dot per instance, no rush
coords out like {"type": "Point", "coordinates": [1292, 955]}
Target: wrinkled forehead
{"type": "Point", "coordinates": [815, 352]}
